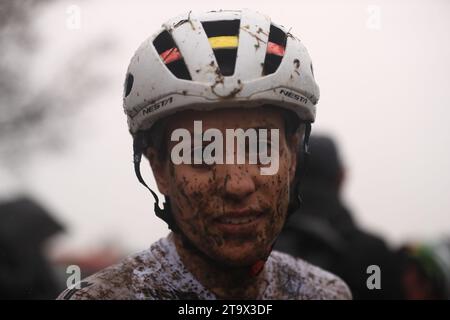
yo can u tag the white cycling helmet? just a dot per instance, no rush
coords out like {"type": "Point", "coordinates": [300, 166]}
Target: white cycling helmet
{"type": "Point", "coordinates": [218, 59]}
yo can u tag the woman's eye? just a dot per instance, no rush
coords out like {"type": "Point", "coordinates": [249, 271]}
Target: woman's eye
{"type": "Point", "coordinates": [203, 164]}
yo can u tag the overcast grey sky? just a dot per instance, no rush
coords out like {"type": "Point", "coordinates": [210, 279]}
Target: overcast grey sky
{"type": "Point", "coordinates": [383, 70]}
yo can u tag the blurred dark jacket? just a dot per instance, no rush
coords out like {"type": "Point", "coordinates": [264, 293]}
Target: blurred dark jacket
{"type": "Point", "coordinates": [24, 270]}
{"type": "Point", "coordinates": [324, 233]}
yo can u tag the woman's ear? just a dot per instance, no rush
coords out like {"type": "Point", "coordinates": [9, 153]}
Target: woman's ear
{"type": "Point", "coordinates": [159, 169]}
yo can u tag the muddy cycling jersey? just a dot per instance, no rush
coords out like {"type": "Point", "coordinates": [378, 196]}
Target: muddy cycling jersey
{"type": "Point", "coordinates": [158, 273]}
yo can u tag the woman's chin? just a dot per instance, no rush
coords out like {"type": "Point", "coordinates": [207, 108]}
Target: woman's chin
{"type": "Point", "coordinates": [239, 255]}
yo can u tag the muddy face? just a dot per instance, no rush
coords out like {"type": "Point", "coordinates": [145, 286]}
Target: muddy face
{"type": "Point", "coordinates": [229, 211]}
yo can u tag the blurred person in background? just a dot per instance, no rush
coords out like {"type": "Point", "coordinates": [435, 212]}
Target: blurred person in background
{"type": "Point", "coordinates": [426, 272]}
{"type": "Point", "coordinates": [25, 271]}
{"type": "Point", "coordinates": [323, 231]}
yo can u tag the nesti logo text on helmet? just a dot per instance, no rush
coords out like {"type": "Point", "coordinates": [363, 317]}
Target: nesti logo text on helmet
{"type": "Point", "coordinates": [293, 95]}
{"type": "Point", "coordinates": [257, 140]}
{"type": "Point", "coordinates": [157, 105]}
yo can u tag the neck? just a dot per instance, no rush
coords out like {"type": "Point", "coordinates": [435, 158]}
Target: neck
{"type": "Point", "coordinates": [226, 282]}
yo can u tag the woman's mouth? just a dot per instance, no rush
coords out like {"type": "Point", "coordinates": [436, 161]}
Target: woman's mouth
{"type": "Point", "coordinates": [240, 222]}
{"type": "Point", "coordinates": [238, 219]}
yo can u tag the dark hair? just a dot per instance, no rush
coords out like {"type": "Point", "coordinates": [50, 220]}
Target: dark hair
{"type": "Point", "coordinates": [155, 138]}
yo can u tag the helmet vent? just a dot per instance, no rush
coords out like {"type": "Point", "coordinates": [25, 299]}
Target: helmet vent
{"type": "Point", "coordinates": [275, 50]}
{"type": "Point", "coordinates": [171, 56]}
{"type": "Point", "coordinates": [128, 84]}
{"type": "Point", "coordinates": [223, 37]}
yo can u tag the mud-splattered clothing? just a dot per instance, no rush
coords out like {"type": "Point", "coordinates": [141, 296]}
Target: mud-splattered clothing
{"type": "Point", "coordinates": [158, 273]}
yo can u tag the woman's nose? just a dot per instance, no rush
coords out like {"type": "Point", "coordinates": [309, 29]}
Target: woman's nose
{"type": "Point", "coordinates": [238, 183]}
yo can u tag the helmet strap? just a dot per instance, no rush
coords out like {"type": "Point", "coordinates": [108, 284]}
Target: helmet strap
{"type": "Point", "coordinates": [139, 145]}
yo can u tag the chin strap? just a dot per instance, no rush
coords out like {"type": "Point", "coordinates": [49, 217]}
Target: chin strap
{"type": "Point", "coordinates": [164, 213]}
{"type": "Point", "coordinates": [301, 168]}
